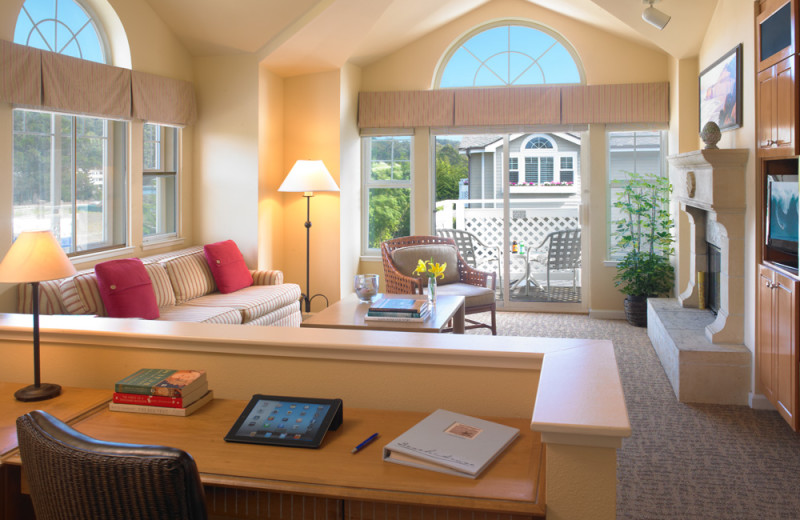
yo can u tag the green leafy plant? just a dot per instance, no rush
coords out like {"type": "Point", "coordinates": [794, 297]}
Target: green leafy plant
{"type": "Point", "coordinates": [644, 234]}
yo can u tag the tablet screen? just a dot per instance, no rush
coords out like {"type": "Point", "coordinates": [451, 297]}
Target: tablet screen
{"type": "Point", "coordinates": [288, 421]}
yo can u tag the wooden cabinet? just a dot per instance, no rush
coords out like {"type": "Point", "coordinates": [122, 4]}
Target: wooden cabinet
{"type": "Point", "coordinates": [777, 112]}
{"type": "Point", "coordinates": [777, 355]}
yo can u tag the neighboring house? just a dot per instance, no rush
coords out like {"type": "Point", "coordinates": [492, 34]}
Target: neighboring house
{"type": "Point", "coordinates": [542, 167]}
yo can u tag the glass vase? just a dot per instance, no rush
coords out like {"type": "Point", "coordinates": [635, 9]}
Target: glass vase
{"type": "Point", "coordinates": [432, 290]}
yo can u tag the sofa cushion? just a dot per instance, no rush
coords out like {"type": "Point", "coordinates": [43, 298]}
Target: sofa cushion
{"type": "Point", "coordinates": [474, 295]}
{"type": "Point", "coordinates": [254, 301]}
{"type": "Point", "coordinates": [49, 298]}
{"type": "Point", "coordinates": [288, 316]}
{"type": "Point", "coordinates": [126, 289]}
{"type": "Point", "coordinates": [190, 276]}
{"type": "Point", "coordinates": [81, 295]}
{"type": "Point", "coordinates": [227, 266]}
{"type": "Point", "coordinates": [165, 296]}
{"type": "Point", "coordinates": [197, 314]}
{"type": "Point", "coordinates": [407, 258]}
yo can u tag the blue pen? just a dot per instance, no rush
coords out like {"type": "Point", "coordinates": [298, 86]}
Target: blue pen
{"type": "Point", "coordinates": [365, 443]}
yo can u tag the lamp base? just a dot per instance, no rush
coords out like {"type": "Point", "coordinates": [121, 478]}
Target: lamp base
{"type": "Point", "coordinates": [37, 393]}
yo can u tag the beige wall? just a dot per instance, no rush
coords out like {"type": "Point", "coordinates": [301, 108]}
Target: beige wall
{"type": "Point", "coordinates": [312, 131]}
{"type": "Point", "coordinates": [731, 25]}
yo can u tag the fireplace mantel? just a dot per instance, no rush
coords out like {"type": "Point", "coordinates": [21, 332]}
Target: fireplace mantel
{"type": "Point", "coordinates": [709, 186]}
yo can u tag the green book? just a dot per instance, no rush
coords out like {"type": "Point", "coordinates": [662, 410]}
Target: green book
{"type": "Point", "coordinates": [158, 381]}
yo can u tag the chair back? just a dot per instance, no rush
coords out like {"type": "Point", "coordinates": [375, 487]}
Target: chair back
{"type": "Point", "coordinates": [75, 477]}
{"type": "Point", "coordinates": [564, 250]}
{"type": "Point", "coordinates": [465, 242]}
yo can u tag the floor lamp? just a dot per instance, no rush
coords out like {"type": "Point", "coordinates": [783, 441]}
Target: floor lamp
{"type": "Point", "coordinates": [34, 257]}
{"type": "Point", "coordinates": [306, 177]}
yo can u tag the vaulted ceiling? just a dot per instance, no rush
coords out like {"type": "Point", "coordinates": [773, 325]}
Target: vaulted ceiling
{"type": "Point", "coordinates": [301, 36]}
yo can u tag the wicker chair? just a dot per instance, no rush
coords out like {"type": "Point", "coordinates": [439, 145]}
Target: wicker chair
{"type": "Point", "coordinates": [477, 287]}
{"type": "Point", "coordinates": [75, 477]}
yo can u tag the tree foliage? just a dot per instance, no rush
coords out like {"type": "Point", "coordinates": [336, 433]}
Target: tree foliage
{"type": "Point", "coordinates": [451, 167]}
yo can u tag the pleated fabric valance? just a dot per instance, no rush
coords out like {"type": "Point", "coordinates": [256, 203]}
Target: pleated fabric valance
{"type": "Point", "coordinates": [534, 105]}
{"type": "Point", "coordinates": [40, 79]}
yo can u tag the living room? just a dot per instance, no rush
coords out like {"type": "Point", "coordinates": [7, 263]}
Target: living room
{"type": "Point", "coordinates": [277, 83]}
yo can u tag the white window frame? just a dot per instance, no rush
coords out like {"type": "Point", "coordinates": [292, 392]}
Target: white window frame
{"type": "Point", "coordinates": [368, 183]}
{"type": "Point", "coordinates": [167, 154]}
{"type": "Point", "coordinates": [614, 256]}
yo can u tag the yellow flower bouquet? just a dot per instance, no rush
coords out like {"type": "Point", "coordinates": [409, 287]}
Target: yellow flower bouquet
{"type": "Point", "coordinates": [432, 271]}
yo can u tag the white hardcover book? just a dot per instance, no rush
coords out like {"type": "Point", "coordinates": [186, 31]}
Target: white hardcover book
{"type": "Point", "coordinates": [162, 410]}
{"type": "Point", "coordinates": [451, 443]}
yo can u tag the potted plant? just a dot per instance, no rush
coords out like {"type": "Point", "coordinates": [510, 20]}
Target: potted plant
{"type": "Point", "coordinates": [644, 234]}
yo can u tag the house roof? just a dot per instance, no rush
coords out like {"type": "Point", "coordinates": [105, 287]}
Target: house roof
{"type": "Point", "coordinates": [477, 141]}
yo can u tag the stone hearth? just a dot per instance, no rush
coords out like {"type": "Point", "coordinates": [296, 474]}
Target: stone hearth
{"type": "Point", "coordinates": [703, 354]}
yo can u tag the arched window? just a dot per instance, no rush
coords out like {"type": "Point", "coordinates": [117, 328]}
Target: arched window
{"type": "Point", "coordinates": [508, 54]}
{"type": "Point", "coordinates": [538, 143]}
{"type": "Point", "coordinates": [60, 26]}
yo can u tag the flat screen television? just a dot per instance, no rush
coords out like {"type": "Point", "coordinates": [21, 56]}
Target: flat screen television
{"type": "Point", "coordinates": [783, 203]}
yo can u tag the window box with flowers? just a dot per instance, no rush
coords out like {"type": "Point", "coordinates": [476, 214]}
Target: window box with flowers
{"type": "Point", "coordinates": [546, 187]}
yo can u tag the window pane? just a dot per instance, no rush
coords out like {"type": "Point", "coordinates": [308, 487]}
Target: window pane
{"type": "Point", "coordinates": [389, 214]}
{"type": "Point", "coordinates": [60, 26]}
{"type": "Point", "coordinates": [545, 169]}
{"type": "Point", "coordinates": [160, 190]}
{"type": "Point", "coordinates": [532, 169]}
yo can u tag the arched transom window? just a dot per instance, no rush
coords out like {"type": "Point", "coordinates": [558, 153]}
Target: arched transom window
{"type": "Point", "coordinates": [508, 54]}
{"type": "Point", "coordinates": [538, 143]}
{"type": "Point", "coordinates": [60, 26]}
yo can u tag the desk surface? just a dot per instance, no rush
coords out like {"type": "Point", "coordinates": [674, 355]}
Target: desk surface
{"type": "Point", "coordinates": [71, 404]}
{"type": "Point", "coordinates": [349, 312]}
{"type": "Point", "coordinates": [513, 483]}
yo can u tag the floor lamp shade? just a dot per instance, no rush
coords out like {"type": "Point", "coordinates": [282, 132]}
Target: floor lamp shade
{"type": "Point", "coordinates": [35, 257]}
{"type": "Point", "coordinates": [307, 177]}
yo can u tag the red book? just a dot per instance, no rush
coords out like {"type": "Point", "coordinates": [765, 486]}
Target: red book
{"type": "Point", "coordinates": [161, 400]}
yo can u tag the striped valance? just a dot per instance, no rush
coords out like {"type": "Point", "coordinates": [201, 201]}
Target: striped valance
{"type": "Point", "coordinates": [20, 74]}
{"type": "Point", "coordinates": [162, 100]}
{"type": "Point", "coordinates": [507, 106]}
{"type": "Point", "coordinates": [41, 79]}
{"type": "Point", "coordinates": [625, 103]}
{"type": "Point", "coordinates": [515, 106]}
{"type": "Point", "coordinates": [405, 109]}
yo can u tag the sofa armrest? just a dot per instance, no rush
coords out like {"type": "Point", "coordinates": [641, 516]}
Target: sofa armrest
{"type": "Point", "coordinates": [267, 277]}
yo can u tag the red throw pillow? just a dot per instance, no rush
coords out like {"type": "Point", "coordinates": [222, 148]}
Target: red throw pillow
{"type": "Point", "coordinates": [227, 266]}
{"type": "Point", "coordinates": [126, 289]}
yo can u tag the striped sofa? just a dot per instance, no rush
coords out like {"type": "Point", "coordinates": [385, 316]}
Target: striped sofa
{"type": "Point", "coordinates": [185, 291]}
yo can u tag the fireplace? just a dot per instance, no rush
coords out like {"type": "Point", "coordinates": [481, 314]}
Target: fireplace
{"type": "Point", "coordinates": [714, 255]}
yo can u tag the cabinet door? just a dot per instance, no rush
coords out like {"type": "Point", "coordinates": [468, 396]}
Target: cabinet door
{"type": "Point", "coordinates": [785, 337]}
{"type": "Point", "coordinates": [765, 352]}
{"type": "Point", "coordinates": [784, 116]}
{"type": "Point", "coordinates": [766, 111]}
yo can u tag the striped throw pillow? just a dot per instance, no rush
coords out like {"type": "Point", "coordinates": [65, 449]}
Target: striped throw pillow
{"type": "Point", "coordinates": [190, 277]}
{"type": "Point", "coordinates": [165, 296]}
{"type": "Point", "coordinates": [81, 295]}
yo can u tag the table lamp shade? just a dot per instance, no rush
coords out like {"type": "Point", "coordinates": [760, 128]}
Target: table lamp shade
{"type": "Point", "coordinates": [35, 256]}
{"type": "Point", "coordinates": [308, 176]}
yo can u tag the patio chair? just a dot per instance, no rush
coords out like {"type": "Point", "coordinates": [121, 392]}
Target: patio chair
{"type": "Point", "coordinates": [563, 254]}
{"type": "Point", "coordinates": [467, 243]}
{"type": "Point", "coordinates": [400, 257]}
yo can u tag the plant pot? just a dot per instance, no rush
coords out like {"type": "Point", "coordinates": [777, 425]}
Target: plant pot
{"type": "Point", "coordinates": [636, 310]}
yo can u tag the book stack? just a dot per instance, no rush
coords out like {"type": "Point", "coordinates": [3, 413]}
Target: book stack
{"type": "Point", "coordinates": [162, 391]}
{"type": "Point", "coordinates": [398, 309]}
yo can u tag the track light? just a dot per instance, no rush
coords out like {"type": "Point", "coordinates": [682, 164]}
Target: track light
{"type": "Point", "coordinates": [655, 17]}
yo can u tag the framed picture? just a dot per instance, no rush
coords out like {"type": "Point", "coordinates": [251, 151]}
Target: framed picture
{"type": "Point", "coordinates": [721, 91]}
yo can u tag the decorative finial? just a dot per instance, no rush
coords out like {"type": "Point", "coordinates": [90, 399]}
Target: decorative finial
{"type": "Point", "coordinates": [710, 134]}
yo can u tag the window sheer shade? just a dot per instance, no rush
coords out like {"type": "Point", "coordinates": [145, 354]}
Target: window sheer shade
{"type": "Point", "coordinates": [405, 109]}
{"type": "Point", "coordinates": [84, 87]}
{"type": "Point", "coordinates": [20, 74]}
{"type": "Point", "coordinates": [508, 106]}
{"type": "Point", "coordinates": [627, 103]}
{"type": "Point", "coordinates": [516, 106]}
{"type": "Point", "coordinates": [39, 79]}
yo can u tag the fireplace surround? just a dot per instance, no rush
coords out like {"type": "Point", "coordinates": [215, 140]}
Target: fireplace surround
{"type": "Point", "coordinates": [703, 352]}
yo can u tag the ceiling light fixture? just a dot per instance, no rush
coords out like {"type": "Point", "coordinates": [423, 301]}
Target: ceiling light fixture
{"type": "Point", "coordinates": [653, 16]}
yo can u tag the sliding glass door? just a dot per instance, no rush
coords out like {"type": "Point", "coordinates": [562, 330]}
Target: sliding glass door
{"type": "Point", "coordinates": [513, 199]}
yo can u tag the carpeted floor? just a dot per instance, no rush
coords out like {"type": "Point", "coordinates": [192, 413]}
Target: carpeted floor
{"type": "Point", "coordinates": [683, 461]}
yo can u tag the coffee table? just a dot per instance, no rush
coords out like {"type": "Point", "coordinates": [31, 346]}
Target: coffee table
{"type": "Point", "coordinates": [349, 312]}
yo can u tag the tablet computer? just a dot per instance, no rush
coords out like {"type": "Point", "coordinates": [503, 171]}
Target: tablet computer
{"type": "Point", "coordinates": [286, 421]}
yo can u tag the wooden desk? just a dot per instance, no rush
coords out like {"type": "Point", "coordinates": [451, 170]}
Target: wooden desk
{"type": "Point", "coordinates": [349, 312]}
{"type": "Point", "coordinates": [72, 404]}
{"type": "Point", "coordinates": [331, 482]}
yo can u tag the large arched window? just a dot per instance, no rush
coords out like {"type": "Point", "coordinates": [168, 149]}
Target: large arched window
{"type": "Point", "coordinates": [509, 53]}
{"type": "Point", "coordinates": [60, 26]}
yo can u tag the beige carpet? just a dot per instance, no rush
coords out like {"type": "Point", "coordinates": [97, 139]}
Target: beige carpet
{"type": "Point", "coordinates": [683, 461]}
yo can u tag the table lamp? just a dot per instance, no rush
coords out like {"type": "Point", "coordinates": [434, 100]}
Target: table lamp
{"type": "Point", "coordinates": [34, 257]}
{"type": "Point", "coordinates": [308, 177]}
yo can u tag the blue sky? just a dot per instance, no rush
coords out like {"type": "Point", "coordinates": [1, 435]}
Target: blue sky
{"type": "Point", "coordinates": [61, 26]}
